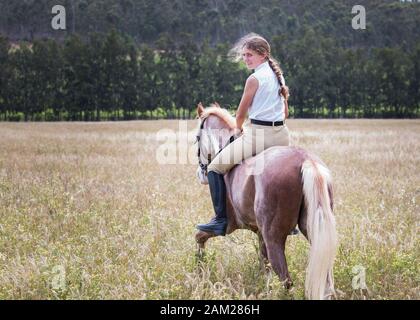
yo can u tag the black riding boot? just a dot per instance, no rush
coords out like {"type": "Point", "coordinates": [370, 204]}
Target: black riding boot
{"type": "Point", "coordinates": [218, 195]}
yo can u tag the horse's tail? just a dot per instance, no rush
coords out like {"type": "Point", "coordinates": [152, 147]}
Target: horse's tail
{"type": "Point", "coordinates": [321, 230]}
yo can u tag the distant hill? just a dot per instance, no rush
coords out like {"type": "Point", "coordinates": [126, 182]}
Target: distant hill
{"type": "Point", "coordinates": [157, 58]}
{"type": "Point", "coordinates": [390, 23]}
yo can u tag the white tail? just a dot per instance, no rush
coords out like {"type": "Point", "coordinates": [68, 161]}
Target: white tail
{"type": "Point", "coordinates": [321, 229]}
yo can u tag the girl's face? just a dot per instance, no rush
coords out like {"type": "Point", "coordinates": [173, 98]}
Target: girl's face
{"type": "Point", "coordinates": [252, 58]}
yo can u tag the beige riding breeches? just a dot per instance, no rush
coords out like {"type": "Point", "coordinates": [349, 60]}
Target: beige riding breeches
{"type": "Point", "coordinates": [255, 139]}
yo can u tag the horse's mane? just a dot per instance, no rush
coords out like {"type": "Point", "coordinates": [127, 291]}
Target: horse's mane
{"type": "Point", "coordinates": [221, 113]}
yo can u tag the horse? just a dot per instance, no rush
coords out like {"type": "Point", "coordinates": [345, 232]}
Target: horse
{"type": "Point", "coordinates": [293, 188]}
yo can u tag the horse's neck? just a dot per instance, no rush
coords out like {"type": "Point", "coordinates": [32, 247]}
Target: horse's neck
{"type": "Point", "coordinates": [219, 130]}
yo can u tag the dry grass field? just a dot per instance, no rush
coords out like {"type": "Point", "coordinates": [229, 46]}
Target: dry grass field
{"type": "Point", "coordinates": [87, 212]}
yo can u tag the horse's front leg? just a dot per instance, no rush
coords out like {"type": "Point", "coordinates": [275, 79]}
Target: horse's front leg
{"type": "Point", "coordinates": [201, 238]}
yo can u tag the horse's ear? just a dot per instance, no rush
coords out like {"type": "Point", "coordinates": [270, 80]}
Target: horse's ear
{"type": "Point", "coordinates": [217, 105]}
{"type": "Point", "coordinates": [200, 109]}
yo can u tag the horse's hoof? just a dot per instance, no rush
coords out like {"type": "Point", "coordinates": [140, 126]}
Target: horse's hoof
{"type": "Point", "coordinates": [267, 268]}
{"type": "Point", "coordinates": [201, 237]}
{"type": "Point", "coordinates": [288, 284]}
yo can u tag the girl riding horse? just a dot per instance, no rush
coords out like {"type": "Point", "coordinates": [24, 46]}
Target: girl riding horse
{"type": "Point", "coordinates": [265, 100]}
{"type": "Point", "coordinates": [291, 187]}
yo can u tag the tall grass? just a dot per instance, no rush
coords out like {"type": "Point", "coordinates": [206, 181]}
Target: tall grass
{"type": "Point", "coordinates": [86, 212]}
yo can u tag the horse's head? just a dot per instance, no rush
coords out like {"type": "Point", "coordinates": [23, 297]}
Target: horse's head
{"type": "Point", "coordinates": [216, 127]}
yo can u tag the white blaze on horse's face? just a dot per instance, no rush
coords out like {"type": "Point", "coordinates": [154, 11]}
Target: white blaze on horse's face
{"type": "Point", "coordinates": [206, 145]}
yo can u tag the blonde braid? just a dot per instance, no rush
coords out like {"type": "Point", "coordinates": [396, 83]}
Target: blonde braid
{"type": "Point", "coordinates": [274, 65]}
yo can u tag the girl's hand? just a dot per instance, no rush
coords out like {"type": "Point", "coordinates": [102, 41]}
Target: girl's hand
{"type": "Point", "coordinates": [237, 132]}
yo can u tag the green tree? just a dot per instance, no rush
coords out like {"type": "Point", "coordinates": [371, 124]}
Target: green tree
{"type": "Point", "coordinates": [130, 83]}
{"type": "Point", "coordinates": [206, 82]}
{"type": "Point", "coordinates": [77, 77]}
{"type": "Point", "coordinates": [148, 78]}
{"type": "Point", "coordinates": [414, 86]}
{"type": "Point", "coordinates": [23, 81]}
{"type": "Point", "coordinates": [229, 78]}
{"type": "Point", "coordinates": [5, 75]}
{"type": "Point", "coordinates": [185, 79]}
{"type": "Point", "coordinates": [393, 67]}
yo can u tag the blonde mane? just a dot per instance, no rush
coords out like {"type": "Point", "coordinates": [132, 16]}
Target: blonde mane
{"type": "Point", "coordinates": [221, 113]}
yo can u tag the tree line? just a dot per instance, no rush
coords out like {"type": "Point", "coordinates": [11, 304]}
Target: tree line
{"type": "Point", "coordinates": [110, 77]}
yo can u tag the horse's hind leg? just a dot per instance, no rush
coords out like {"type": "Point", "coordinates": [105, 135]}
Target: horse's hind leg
{"type": "Point", "coordinates": [303, 217]}
{"type": "Point", "coordinates": [263, 256]}
{"type": "Point", "coordinates": [277, 258]}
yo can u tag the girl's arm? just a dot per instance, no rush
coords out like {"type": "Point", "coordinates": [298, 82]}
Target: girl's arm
{"type": "Point", "coordinates": [250, 89]}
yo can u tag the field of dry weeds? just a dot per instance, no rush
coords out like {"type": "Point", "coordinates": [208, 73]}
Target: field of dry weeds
{"type": "Point", "coordinates": [87, 212]}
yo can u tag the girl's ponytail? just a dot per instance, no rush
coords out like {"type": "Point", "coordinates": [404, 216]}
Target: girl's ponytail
{"type": "Point", "coordinates": [274, 65]}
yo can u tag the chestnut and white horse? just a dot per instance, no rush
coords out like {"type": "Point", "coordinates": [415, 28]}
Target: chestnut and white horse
{"type": "Point", "coordinates": [293, 188]}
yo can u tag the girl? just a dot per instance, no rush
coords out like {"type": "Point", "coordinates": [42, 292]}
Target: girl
{"type": "Point", "coordinates": [265, 100]}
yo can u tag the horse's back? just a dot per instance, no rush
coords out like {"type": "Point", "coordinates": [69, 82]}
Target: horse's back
{"type": "Point", "coordinates": [267, 184]}
{"type": "Point", "coordinates": [275, 164]}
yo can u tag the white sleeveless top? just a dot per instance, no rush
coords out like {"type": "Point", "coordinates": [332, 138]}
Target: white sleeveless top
{"type": "Point", "coordinates": [267, 104]}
